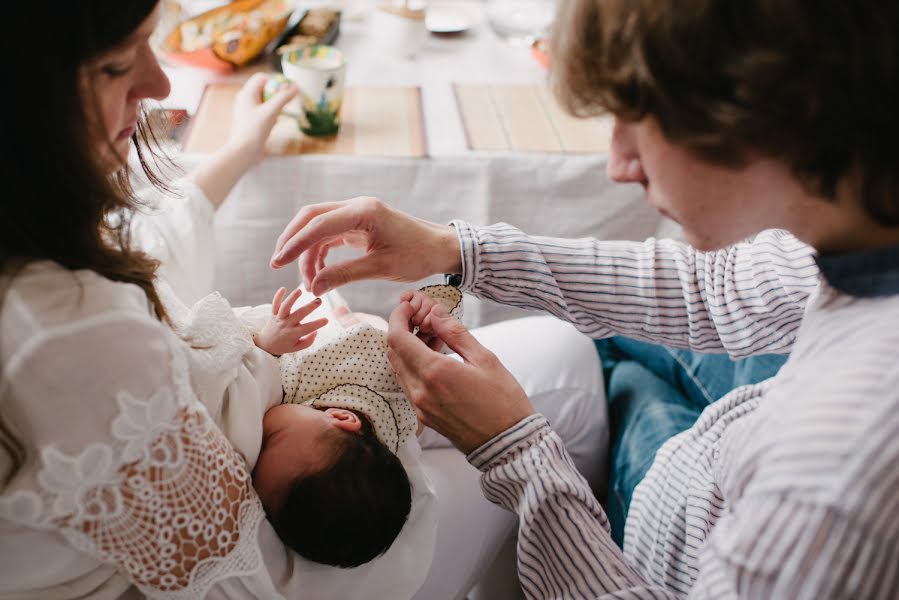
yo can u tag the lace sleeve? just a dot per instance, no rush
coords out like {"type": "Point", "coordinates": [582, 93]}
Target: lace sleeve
{"type": "Point", "coordinates": [125, 463]}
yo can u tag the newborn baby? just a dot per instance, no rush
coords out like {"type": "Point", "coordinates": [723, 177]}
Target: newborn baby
{"type": "Point", "coordinates": [332, 490]}
{"type": "Point", "coordinates": [326, 468]}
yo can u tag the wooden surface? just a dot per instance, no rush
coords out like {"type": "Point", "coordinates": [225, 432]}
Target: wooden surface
{"type": "Point", "coordinates": [526, 118]}
{"type": "Point", "coordinates": [375, 121]}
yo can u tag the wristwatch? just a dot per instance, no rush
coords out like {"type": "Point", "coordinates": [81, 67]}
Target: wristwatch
{"type": "Point", "coordinates": [453, 279]}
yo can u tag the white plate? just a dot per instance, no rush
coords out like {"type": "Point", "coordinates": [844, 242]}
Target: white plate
{"type": "Point", "coordinates": [446, 18]}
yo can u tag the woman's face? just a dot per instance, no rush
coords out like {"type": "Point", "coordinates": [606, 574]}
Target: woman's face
{"type": "Point", "coordinates": [716, 206]}
{"type": "Point", "coordinates": [117, 81]}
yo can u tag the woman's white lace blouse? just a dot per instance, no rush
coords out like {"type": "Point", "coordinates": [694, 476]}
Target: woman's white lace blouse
{"type": "Point", "coordinates": [124, 463]}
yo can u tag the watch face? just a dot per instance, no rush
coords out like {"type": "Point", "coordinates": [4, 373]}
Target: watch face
{"type": "Point", "coordinates": [454, 279]}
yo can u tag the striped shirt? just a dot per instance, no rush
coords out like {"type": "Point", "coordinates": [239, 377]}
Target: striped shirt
{"type": "Point", "coordinates": [785, 489]}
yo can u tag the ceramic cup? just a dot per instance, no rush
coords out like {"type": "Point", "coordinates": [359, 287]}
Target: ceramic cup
{"type": "Point", "coordinates": [399, 31]}
{"type": "Point", "coordinates": [319, 72]}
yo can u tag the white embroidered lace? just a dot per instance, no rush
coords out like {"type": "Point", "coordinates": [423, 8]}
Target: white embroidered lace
{"type": "Point", "coordinates": [217, 337]}
{"type": "Point", "coordinates": [170, 502]}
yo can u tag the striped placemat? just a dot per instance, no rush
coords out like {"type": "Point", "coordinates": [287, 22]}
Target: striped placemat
{"type": "Point", "coordinates": [375, 121]}
{"type": "Point", "coordinates": [526, 118]}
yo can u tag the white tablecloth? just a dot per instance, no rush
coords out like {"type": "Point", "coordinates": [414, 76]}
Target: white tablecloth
{"type": "Point", "coordinates": [563, 195]}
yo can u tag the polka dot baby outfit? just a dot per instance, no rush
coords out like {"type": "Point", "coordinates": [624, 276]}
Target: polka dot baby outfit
{"type": "Point", "coordinates": [348, 368]}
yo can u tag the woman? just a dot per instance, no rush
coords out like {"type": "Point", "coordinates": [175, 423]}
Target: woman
{"type": "Point", "coordinates": [740, 119]}
{"type": "Point", "coordinates": [115, 481]}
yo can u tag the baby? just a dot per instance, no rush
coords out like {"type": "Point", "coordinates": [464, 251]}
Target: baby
{"type": "Point", "coordinates": [332, 490]}
{"type": "Point", "coordinates": [326, 470]}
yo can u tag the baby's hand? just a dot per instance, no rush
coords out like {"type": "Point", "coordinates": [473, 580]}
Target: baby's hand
{"type": "Point", "coordinates": [424, 305]}
{"type": "Point", "coordinates": [285, 331]}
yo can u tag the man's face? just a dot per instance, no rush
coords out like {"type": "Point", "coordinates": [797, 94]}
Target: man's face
{"type": "Point", "coordinates": [716, 206]}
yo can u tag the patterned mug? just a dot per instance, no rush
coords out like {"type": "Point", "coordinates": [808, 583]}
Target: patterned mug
{"type": "Point", "coordinates": [319, 72]}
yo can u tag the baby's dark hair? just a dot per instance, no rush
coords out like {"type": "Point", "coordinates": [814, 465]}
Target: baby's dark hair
{"type": "Point", "coordinates": [350, 512]}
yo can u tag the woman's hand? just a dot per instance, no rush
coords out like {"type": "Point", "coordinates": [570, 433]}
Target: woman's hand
{"type": "Point", "coordinates": [396, 246]}
{"type": "Point", "coordinates": [285, 331]}
{"type": "Point", "coordinates": [469, 402]}
{"type": "Point", "coordinates": [252, 122]}
{"type": "Point", "coordinates": [252, 119]}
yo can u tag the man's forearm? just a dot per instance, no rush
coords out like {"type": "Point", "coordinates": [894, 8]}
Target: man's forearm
{"type": "Point", "coordinates": [564, 546]}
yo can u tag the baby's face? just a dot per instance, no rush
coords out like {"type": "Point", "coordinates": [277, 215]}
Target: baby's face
{"type": "Point", "coordinates": [295, 443]}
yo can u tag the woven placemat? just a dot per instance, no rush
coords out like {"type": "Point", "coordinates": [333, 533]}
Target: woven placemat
{"type": "Point", "coordinates": [375, 121]}
{"type": "Point", "coordinates": [526, 118]}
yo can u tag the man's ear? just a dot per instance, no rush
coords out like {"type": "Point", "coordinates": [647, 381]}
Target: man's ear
{"type": "Point", "coordinates": [344, 419]}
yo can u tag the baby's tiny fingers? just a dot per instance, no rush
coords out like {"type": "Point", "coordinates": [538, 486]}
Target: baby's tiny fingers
{"type": "Point", "coordinates": [421, 316]}
{"type": "Point", "coordinates": [307, 328]}
{"type": "Point", "coordinates": [305, 342]}
{"type": "Point", "coordinates": [421, 309]}
{"type": "Point", "coordinates": [305, 310]}
{"type": "Point", "coordinates": [291, 299]}
{"type": "Point", "coordinates": [425, 324]}
{"type": "Point", "coordinates": [276, 301]}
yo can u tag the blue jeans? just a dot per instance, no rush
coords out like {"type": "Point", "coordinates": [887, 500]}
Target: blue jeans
{"type": "Point", "coordinates": [654, 393]}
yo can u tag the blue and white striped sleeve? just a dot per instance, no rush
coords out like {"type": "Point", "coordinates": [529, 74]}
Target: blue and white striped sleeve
{"type": "Point", "coordinates": [746, 299]}
{"type": "Point", "coordinates": [776, 547]}
{"type": "Point", "coordinates": [564, 546]}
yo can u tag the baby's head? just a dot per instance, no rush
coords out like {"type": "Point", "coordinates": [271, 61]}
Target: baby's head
{"type": "Point", "coordinates": [333, 492]}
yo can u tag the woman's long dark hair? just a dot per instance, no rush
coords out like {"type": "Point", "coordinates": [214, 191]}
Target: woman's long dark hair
{"type": "Point", "coordinates": [59, 201]}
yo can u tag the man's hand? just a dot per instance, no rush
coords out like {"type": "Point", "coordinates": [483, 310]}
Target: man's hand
{"type": "Point", "coordinates": [396, 246]}
{"type": "Point", "coordinates": [469, 402]}
{"type": "Point", "coordinates": [285, 331]}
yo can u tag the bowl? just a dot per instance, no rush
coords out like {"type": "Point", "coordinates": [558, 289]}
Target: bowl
{"type": "Point", "coordinates": [227, 37]}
